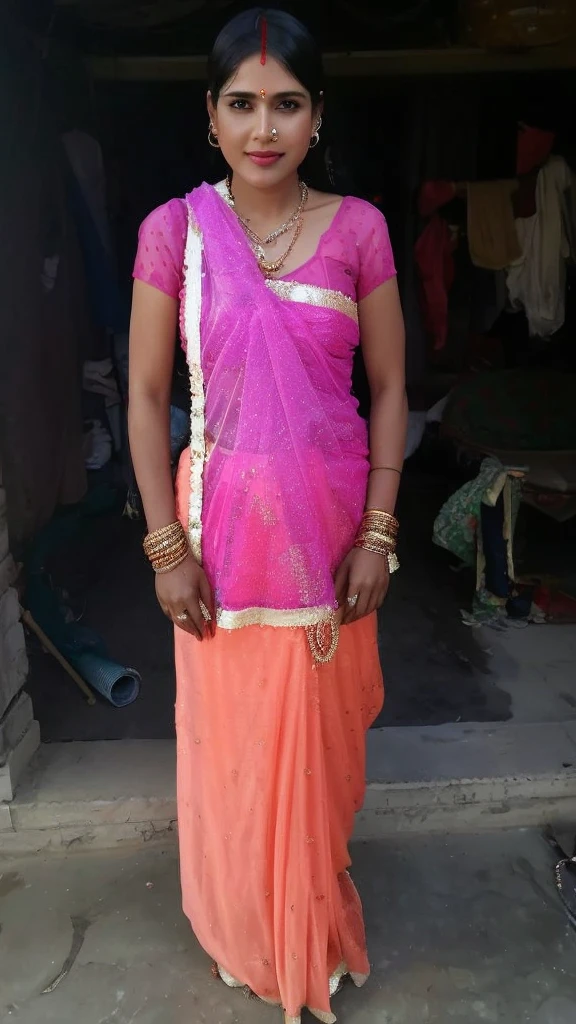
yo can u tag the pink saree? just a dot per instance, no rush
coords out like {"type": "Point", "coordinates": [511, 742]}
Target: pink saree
{"type": "Point", "coordinates": [279, 465]}
{"type": "Point", "coordinates": [271, 746]}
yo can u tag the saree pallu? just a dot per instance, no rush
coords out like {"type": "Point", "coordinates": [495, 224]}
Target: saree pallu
{"type": "Point", "coordinates": [279, 453]}
{"type": "Point", "coordinates": [271, 746]}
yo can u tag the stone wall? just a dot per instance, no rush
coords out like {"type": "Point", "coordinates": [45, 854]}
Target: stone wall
{"type": "Point", "coordinates": [19, 733]}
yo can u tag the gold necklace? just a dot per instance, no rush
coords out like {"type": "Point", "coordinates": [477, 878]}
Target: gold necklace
{"type": "Point", "coordinates": [283, 229]}
{"type": "Point", "coordinates": [271, 267]}
{"type": "Point", "coordinates": [295, 221]}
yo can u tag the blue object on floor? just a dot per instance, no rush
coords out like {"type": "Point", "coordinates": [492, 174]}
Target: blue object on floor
{"type": "Point", "coordinates": [82, 647]}
{"type": "Point", "coordinates": [117, 684]}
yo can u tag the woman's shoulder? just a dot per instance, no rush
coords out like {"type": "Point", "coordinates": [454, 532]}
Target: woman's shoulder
{"type": "Point", "coordinates": [366, 225]}
{"type": "Point", "coordinates": [169, 217]}
{"type": "Point", "coordinates": [161, 244]}
{"type": "Point", "coordinates": [350, 215]}
{"type": "Point", "coordinates": [364, 213]}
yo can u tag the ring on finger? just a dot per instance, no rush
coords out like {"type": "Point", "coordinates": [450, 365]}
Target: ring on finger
{"type": "Point", "coordinates": [182, 617]}
{"type": "Point", "coordinates": [353, 601]}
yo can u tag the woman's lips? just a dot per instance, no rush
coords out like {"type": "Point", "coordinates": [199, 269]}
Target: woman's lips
{"type": "Point", "coordinates": [265, 159]}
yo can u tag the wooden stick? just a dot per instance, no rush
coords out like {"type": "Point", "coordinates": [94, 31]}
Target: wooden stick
{"type": "Point", "coordinates": [29, 621]}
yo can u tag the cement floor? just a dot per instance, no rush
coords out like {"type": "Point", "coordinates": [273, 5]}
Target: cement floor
{"type": "Point", "coordinates": [462, 929]}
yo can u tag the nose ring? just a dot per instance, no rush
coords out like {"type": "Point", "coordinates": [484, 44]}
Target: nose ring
{"type": "Point", "coordinates": [273, 135]}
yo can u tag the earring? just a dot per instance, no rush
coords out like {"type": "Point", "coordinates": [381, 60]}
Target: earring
{"type": "Point", "coordinates": [212, 137]}
{"type": "Point", "coordinates": [316, 137]}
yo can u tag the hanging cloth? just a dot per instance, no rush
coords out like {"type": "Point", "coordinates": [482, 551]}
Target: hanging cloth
{"type": "Point", "coordinates": [537, 280]}
{"type": "Point", "coordinates": [433, 254]}
{"type": "Point", "coordinates": [458, 524]}
{"type": "Point", "coordinates": [492, 235]}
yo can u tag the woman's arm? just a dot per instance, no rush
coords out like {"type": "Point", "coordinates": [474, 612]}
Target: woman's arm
{"type": "Point", "coordinates": [364, 573]}
{"type": "Point", "coordinates": [152, 339]}
{"type": "Point", "coordinates": [382, 332]}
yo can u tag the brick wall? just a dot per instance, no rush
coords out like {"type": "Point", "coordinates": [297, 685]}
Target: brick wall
{"type": "Point", "coordinates": [19, 733]}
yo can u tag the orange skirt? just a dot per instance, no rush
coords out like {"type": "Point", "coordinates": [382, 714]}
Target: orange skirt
{"type": "Point", "coordinates": [271, 770]}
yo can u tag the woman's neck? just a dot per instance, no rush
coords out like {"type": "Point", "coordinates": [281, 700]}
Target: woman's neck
{"type": "Point", "coordinates": [267, 204]}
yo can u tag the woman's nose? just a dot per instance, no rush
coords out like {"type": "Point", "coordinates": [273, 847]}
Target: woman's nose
{"type": "Point", "coordinates": [262, 120]}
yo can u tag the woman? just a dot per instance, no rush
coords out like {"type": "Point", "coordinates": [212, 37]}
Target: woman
{"type": "Point", "coordinates": [276, 550]}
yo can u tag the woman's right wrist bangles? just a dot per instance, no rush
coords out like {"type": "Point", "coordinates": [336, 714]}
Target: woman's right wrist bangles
{"type": "Point", "coordinates": [166, 548]}
{"type": "Point", "coordinates": [379, 533]}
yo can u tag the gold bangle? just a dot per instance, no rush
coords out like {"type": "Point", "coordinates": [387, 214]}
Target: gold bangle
{"type": "Point", "coordinates": [390, 469]}
{"type": "Point", "coordinates": [383, 530]}
{"type": "Point", "coordinates": [173, 530]}
{"type": "Point", "coordinates": [152, 553]}
{"type": "Point", "coordinates": [375, 545]}
{"type": "Point", "coordinates": [177, 556]}
{"type": "Point", "coordinates": [374, 525]}
{"type": "Point", "coordinates": [382, 539]}
{"type": "Point", "coordinates": [164, 531]}
{"type": "Point", "coordinates": [168, 556]}
{"type": "Point", "coordinates": [380, 514]}
{"type": "Point", "coordinates": [165, 545]}
{"type": "Point", "coordinates": [173, 552]}
{"type": "Point", "coordinates": [161, 549]}
{"type": "Point", "coordinates": [376, 539]}
{"type": "Point", "coordinates": [378, 534]}
{"type": "Point", "coordinates": [380, 525]}
{"type": "Point", "coordinates": [164, 541]}
{"type": "Point", "coordinates": [385, 552]}
{"type": "Point", "coordinates": [171, 565]}
{"type": "Point", "coordinates": [166, 548]}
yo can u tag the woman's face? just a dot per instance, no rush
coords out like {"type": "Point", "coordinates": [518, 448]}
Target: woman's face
{"type": "Point", "coordinates": [257, 99]}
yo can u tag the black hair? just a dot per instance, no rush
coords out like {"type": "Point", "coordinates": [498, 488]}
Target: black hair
{"type": "Point", "coordinates": [287, 40]}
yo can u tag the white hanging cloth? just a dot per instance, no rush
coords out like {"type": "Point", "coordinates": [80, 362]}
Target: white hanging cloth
{"type": "Point", "coordinates": [537, 281]}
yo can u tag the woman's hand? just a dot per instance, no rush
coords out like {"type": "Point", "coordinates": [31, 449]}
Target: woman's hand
{"type": "Point", "coordinates": [180, 592]}
{"type": "Point", "coordinates": [363, 574]}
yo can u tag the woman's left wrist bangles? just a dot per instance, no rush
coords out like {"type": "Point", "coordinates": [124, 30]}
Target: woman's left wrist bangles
{"type": "Point", "coordinates": [379, 533]}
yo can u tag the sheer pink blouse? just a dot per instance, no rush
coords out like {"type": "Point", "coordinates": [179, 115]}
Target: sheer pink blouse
{"type": "Point", "coordinates": [354, 255]}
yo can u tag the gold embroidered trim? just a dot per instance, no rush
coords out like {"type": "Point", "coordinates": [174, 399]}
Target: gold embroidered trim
{"type": "Point", "coordinates": [325, 1018]}
{"type": "Point", "coordinates": [333, 986]}
{"type": "Point", "coordinates": [191, 319]}
{"type": "Point", "coordinates": [228, 979]}
{"type": "Point", "coordinates": [272, 617]}
{"type": "Point", "coordinates": [312, 295]}
{"type": "Point", "coordinates": [222, 191]}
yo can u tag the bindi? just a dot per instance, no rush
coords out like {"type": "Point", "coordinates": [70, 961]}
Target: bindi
{"type": "Point", "coordinates": [262, 94]}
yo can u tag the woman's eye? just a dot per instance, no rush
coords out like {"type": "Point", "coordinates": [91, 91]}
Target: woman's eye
{"type": "Point", "coordinates": [287, 105]}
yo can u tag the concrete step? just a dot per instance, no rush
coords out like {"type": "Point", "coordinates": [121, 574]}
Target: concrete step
{"type": "Point", "coordinates": [93, 795]}
{"type": "Point", "coordinates": [434, 779]}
